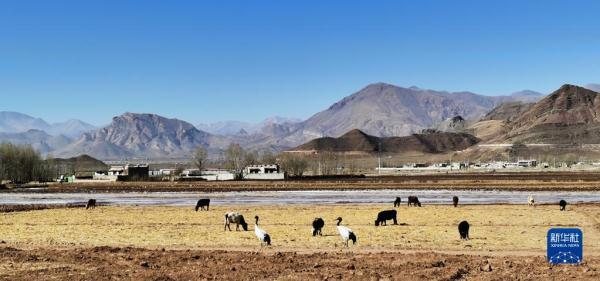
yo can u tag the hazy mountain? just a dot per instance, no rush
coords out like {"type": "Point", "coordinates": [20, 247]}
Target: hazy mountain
{"type": "Point", "coordinates": [143, 136]}
{"type": "Point", "coordinates": [230, 128]}
{"type": "Point", "coordinates": [527, 96]}
{"type": "Point", "coordinates": [225, 128]}
{"type": "Point", "coordinates": [14, 122]}
{"type": "Point", "coordinates": [72, 128]}
{"type": "Point", "coordinates": [593, 87]}
{"type": "Point", "coordinates": [39, 140]}
{"type": "Point", "coordinates": [358, 141]}
{"type": "Point", "coordinates": [386, 110]}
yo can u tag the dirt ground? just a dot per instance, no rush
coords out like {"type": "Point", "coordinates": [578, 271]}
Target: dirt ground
{"type": "Point", "coordinates": [106, 263]}
{"type": "Point", "coordinates": [176, 243]}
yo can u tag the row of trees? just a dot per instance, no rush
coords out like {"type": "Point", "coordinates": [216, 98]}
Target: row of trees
{"type": "Point", "coordinates": [22, 164]}
{"type": "Point", "coordinates": [235, 158]}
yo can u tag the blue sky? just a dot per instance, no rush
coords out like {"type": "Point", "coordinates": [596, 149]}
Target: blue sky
{"type": "Point", "coordinates": [205, 61]}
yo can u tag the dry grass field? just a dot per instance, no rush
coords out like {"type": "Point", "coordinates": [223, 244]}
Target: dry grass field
{"type": "Point", "coordinates": [494, 228]}
{"type": "Point", "coordinates": [173, 243]}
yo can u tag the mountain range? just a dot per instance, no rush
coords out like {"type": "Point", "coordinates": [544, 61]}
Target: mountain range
{"type": "Point", "coordinates": [14, 122]}
{"type": "Point", "coordinates": [386, 110]}
{"type": "Point", "coordinates": [232, 127]}
{"type": "Point", "coordinates": [378, 110]}
{"type": "Point", "coordinates": [563, 122]}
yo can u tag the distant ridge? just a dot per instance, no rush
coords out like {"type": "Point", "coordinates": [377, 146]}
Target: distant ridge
{"type": "Point", "coordinates": [358, 141]}
{"type": "Point", "coordinates": [15, 122]}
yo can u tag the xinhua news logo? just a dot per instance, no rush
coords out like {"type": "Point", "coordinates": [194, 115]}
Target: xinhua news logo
{"type": "Point", "coordinates": [565, 246]}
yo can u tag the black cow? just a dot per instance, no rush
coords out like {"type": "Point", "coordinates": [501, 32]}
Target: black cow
{"type": "Point", "coordinates": [455, 201]}
{"type": "Point", "coordinates": [563, 205]}
{"type": "Point", "coordinates": [414, 201]}
{"type": "Point", "coordinates": [202, 203]}
{"type": "Point", "coordinates": [463, 230]}
{"type": "Point", "coordinates": [317, 225]}
{"type": "Point", "coordinates": [397, 202]}
{"type": "Point", "coordinates": [91, 204]}
{"type": "Point", "coordinates": [384, 216]}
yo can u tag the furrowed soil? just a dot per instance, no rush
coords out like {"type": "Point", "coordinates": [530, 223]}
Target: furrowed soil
{"type": "Point", "coordinates": [107, 263]}
{"type": "Point", "coordinates": [175, 243]}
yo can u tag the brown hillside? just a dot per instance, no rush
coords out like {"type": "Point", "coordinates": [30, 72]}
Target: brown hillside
{"type": "Point", "coordinates": [80, 164]}
{"type": "Point", "coordinates": [507, 111]}
{"type": "Point", "coordinates": [358, 141]}
{"type": "Point", "coordinates": [569, 115]}
{"type": "Point", "coordinates": [568, 105]}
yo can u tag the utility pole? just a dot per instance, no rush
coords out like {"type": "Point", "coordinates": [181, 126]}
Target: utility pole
{"type": "Point", "coordinates": [379, 157]}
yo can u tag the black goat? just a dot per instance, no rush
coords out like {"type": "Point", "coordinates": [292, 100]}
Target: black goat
{"type": "Point", "coordinates": [91, 204]}
{"type": "Point", "coordinates": [414, 201]}
{"type": "Point", "coordinates": [384, 216]}
{"type": "Point", "coordinates": [455, 201]}
{"type": "Point", "coordinates": [202, 203]}
{"type": "Point", "coordinates": [317, 225]}
{"type": "Point", "coordinates": [563, 205]}
{"type": "Point", "coordinates": [397, 202]}
{"type": "Point", "coordinates": [463, 230]}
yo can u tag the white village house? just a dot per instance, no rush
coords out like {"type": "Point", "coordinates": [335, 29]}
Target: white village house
{"type": "Point", "coordinates": [263, 172]}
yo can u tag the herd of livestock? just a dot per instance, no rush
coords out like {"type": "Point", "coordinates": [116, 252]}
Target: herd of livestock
{"type": "Point", "coordinates": [318, 223]}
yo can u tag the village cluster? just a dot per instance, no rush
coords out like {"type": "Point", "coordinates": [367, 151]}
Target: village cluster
{"type": "Point", "coordinates": [137, 172]}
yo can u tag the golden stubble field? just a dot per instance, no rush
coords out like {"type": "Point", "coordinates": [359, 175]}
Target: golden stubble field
{"type": "Point", "coordinates": [494, 228]}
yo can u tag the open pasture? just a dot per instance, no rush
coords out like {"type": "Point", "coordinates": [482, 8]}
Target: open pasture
{"type": "Point", "coordinates": [494, 228]}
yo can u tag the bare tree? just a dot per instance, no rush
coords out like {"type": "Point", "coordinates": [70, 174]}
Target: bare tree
{"type": "Point", "coordinates": [293, 165]}
{"type": "Point", "coordinates": [21, 164]}
{"type": "Point", "coordinates": [234, 158]}
{"type": "Point", "coordinates": [200, 158]}
{"type": "Point", "coordinates": [267, 158]}
{"type": "Point", "coordinates": [251, 158]}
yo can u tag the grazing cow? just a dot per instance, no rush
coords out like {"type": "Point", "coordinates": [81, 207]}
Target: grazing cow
{"type": "Point", "coordinates": [463, 230]}
{"type": "Point", "coordinates": [530, 201]}
{"type": "Point", "coordinates": [384, 216]}
{"type": "Point", "coordinates": [414, 201]}
{"type": "Point", "coordinates": [397, 202]}
{"type": "Point", "coordinates": [317, 225]}
{"type": "Point", "coordinates": [202, 203]}
{"type": "Point", "coordinates": [236, 218]}
{"type": "Point", "coordinates": [91, 204]}
{"type": "Point", "coordinates": [563, 205]}
{"type": "Point", "coordinates": [455, 201]}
